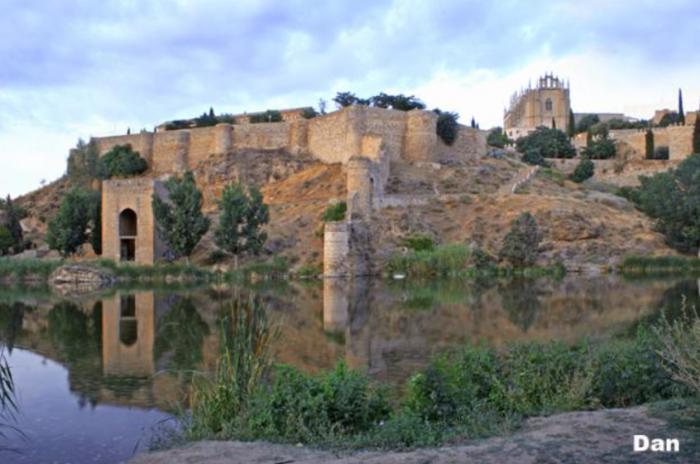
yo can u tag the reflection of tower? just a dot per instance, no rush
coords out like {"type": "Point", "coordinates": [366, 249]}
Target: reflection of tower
{"type": "Point", "coordinates": [127, 335]}
{"type": "Point", "coordinates": [346, 308]}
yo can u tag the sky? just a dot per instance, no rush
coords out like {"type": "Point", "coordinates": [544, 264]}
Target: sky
{"type": "Point", "coordinates": [73, 69]}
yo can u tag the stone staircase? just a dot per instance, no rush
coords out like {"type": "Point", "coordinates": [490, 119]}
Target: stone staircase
{"type": "Point", "coordinates": [523, 176]}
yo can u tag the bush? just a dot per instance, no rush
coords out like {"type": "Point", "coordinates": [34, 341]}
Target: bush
{"type": "Point", "coordinates": [680, 347]}
{"type": "Point", "coordinates": [443, 260]}
{"type": "Point", "coordinates": [83, 163]}
{"type": "Point", "coordinates": [520, 245]}
{"type": "Point", "coordinates": [6, 240]}
{"type": "Point", "coordinates": [534, 157]}
{"type": "Point", "coordinates": [584, 170]}
{"type": "Point", "coordinates": [447, 126]}
{"type": "Point", "coordinates": [419, 242]}
{"type": "Point", "coordinates": [267, 116]}
{"type": "Point", "coordinates": [120, 161]}
{"type": "Point", "coordinates": [587, 122]}
{"type": "Point", "coordinates": [335, 212]}
{"type": "Point", "coordinates": [497, 138]}
{"type": "Point", "coordinates": [668, 197]}
{"type": "Point", "coordinates": [601, 148]}
{"type": "Point", "coordinates": [551, 143]}
{"type": "Point", "coordinates": [309, 113]}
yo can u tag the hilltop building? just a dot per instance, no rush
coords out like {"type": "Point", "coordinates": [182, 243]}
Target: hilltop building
{"type": "Point", "coordinates": [548, 105]}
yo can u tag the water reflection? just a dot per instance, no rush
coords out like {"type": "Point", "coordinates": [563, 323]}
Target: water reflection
{"type": "Point", "coordinates": [136, 350]}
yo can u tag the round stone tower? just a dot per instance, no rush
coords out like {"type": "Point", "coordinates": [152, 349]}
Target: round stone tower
{"type": "Point", "coordinates": [336, 249]}
{"type": "Point", "coordinates": [360, 187]}
{"type": "Point", "coordinates": [223, 138]}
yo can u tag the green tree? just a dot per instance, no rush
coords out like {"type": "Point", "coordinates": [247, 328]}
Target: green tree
{"type": "Point", "coordinates": [446, 126]}
{"type": "Point", "coordinates": [520, 245]}
{"type": "Point", "coordinates": [681, 113]}
{"type": "Point", "coordinates": [241, 219]}
{"type": "Point", "coordinates": [571, 130]}
{"type": "Point", "coordinates": [586, 122]}
{"type": "Point", "coordinates": [535, 158]}
{"type": "Point", "coordinates": [82, 163]}
{"type": "Point", "coordinates": [6, 240]}
{"type": "Point", "coordinates": [696, 134]}
{"type": "Point", "coordinates": [74, 222]}
{"type": "Point", "coordinates": [673, 199]}
{"type": "Point", "coordinates": [584, 170]}
{"type": "Point", "coordinates": [120, 161]}
{"type": "Point", "coordinates": [497, 138]}
{"type": "Point", "coordinates": [601, 148]}
{"type": "Point", "coordinates": [551, 143]}
{"type": "Point", "coordinates": [670, 119]}
{"type": "Point", "coordinates": [13, 216]}
{"type": "Point", "coordinates": [649, 141]}
{"type": "Point", "coordinates": [554, 123]}
{"type": "Point", "coordinates": [179, 220]}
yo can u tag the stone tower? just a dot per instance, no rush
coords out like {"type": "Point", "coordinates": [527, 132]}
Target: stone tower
{"type": "Point", "coordinates": [548, 105]}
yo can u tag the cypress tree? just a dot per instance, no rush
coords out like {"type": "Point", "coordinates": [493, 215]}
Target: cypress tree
{"type": "Point", "coordinates": [554, 123]}
{"type": "Point", "coordinates": [696, 134]}
{"type": "Point", "coordinates": [13, 216]}
{"type": "Point", "coordinates": [571, 131]}
{"type": "Point", "coordinates": [681, 114]}
{"type": "Point", "coordinates": [473, 123]}
{"type": "Point", "coordinates": [649, 139]}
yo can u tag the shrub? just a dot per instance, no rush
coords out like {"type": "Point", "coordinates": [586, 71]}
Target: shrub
{"type": "Point", "coordinates": [242, 216]}
{"type": "Point", "coordinates": [587, 122]}
{"type": "Point", "coordinates": [551, 143]}
{"type": "Point", "coordinates": [668, 197]}
{"type": "Point", "coordinates": [120, 161]}
{"type": "Point", "coordinates": [267, 116]}
{"type": "Point", "coordinates": [534, 157]}
{"type": "Point", "coordinates": [520, 245]}
{"type": "Point", "coordinates": [6, 240]}
{"type": "Point", "coordinates": [443, 260]}
{"type": "Point", "coordinates": [680, 347]}
{"type": "Point", "coordinates": [601, 148]}
{"type": "Point", "coordinates": [309, 113]}
{"type": "Point", "coordinates": [335, 212]}
{"type": "Point", "coordinates": [419, 242]}
{"type": "Point", "coordinates": [447, 126]}
{"type": "Point", "coordinates": [497, 138]}
{"type": "Point", "coordinates": [584, 170]}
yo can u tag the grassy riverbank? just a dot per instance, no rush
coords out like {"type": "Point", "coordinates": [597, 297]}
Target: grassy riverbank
{"type": "Point", "coordinates": [472, 392]}
{"type": "Point", "coordinates": [458, 260]}
{"type": "Point", "coordinates": [656, 265]}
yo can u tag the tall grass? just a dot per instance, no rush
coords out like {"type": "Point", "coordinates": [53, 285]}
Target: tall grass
{"type": "Point", "coordinates": [443, 260]}
{"type": "Point", "coordinates": [220, 404]}
{"type": "Point", "coordinates": [21, 269]}
{"type": "Point", "coordinates": [680, 347]}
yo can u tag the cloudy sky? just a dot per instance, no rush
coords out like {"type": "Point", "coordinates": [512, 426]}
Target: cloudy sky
{"type": "Point", "coordinates": [77, 68]}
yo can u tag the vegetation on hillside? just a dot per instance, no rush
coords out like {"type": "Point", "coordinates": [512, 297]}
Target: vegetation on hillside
{"type": "Point", "coordinates": [584, 170]}
{"type": "Point", "coordinates": [179, 219]}
{"type": "Point", "coordinates": [120, 161]}
{"type": "Point", "coordinates": [77, 221]}
{"type": "Point", "coordinates": [11, 235]}
{"type": "Point", "coordinates": [207, 119]}
{"type": "Point", "coordinates": [551, 143]}
{"type": "Point", "coordinates": [521, 243]}
{"type": "Point", "coordinates": [242, 216]}
{"type": "Point", "coordinates": [335, 212]}
{"type": "Point", "coordinates": [398, 102]}
{"type": "Point", "coordinates": [497, 138]}
{"type": "Point", "coordinates": [446, 126]}
{"type": "Point", "coordinates": [672, 198]}
{"type": "Point", "coordinates": [83, 163]}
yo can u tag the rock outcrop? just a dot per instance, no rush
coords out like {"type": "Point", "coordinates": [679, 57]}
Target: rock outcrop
{"type": "Point", "coordinates": [71, 279]}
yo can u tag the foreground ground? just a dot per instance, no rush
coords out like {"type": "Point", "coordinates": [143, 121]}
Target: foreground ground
{"type": "Point", "coordinates": [603, 436]}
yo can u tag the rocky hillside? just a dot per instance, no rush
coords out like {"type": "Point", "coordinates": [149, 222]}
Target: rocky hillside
{"type": "Point", "coordinates": [466, 202]}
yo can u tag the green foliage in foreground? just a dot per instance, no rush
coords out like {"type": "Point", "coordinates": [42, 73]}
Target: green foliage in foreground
{"type": "Point", "coordinates": [242, 215]}
{"type": "Point", "coordinates": [470, 393]}
{"type": "Point", "coordinates": [551, 143]}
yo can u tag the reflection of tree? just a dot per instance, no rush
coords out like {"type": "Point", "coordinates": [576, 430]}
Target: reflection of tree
{"type": "Point", "coordinates": [11, 316]}
{"type": "Point", "coordinates": [671, 303]}
{"type": "Point", "coordinates": [521, 302]}
{"type": "Point", "coordinates": [73, 332]}
{"type": "Point", "coordinates": [181, 331]}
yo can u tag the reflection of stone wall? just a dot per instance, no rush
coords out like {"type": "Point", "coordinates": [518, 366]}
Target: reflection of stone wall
{"type": "Point", "coordinates": [118, 358]}
{"type": "Point", "coordinates": [335, 305]}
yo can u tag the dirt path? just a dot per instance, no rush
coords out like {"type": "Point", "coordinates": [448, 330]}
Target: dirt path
{"type": "Point", "coordinates": [580, 437]}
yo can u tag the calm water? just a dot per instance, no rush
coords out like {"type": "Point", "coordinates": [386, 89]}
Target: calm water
{"type": "Point", "coordinates": [97, 376]}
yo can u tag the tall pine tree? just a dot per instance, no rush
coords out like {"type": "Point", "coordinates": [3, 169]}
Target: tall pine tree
{"type": "Point", "coordinates": [681, 114]}
{"type": "Point", "coordinates": [571, 130]}
{"type": "Point", "coordinates": [12, 217]}
{"type": "Point", "coordinates": [180, 221]}
{"type": "Point", "coordinates": [696, 134]}
{"type": "Point", "coordinates": [649, 140]}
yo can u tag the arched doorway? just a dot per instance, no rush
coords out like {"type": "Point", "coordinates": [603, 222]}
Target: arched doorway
{"type": "Point", "coordinates": [128, 227]}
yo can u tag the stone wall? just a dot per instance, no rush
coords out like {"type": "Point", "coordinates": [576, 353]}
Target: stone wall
{"type": "Point", "coordinates": [262, 136]}
{"type": "Point", "coordinates": [329, 138]}
{"type": "Point", "coordinates": [469, 144]}
{"type": "Point", "coordinates": [680, 142]}
{"type": "Point", "coordinates": [142, 143]}
{"type": "Point", "coordinates": [134, 194]}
